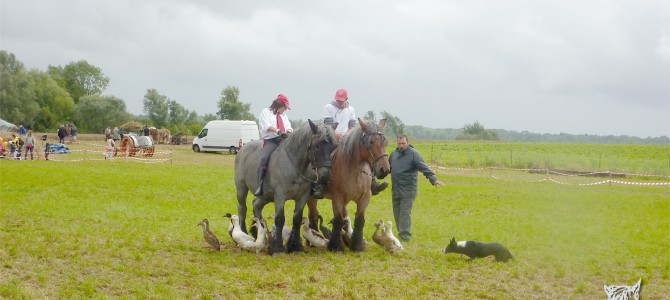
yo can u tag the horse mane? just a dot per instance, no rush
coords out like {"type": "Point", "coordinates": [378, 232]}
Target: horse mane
{"type": "Point", "coordinates": [295, 143]}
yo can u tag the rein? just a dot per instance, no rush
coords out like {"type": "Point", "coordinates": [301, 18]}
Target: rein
{"type": "Point", "coordinates": [312, 160]}
{"type": "Point", "coordinates": [375, 159]}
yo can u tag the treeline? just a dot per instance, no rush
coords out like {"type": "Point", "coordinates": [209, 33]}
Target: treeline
{"type": "Point", "coordinates": [425, 133]}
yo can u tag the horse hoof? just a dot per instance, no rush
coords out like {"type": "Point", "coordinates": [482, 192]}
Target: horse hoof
{"type": "Point", "coordinates": [276, 254]}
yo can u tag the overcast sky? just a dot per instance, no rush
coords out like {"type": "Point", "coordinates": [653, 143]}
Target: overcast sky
{"type": "Point", "coordinates": [596, 67]}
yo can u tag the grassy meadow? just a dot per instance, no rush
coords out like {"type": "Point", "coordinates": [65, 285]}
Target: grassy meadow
{"type": "Point", "coordinates": [73, 228]}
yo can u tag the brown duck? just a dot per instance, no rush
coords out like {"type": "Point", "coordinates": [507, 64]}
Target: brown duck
{"type": "Point", "coordinates": [210, 238]}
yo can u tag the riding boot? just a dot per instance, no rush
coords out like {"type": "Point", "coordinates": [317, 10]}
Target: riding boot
{"type": "Point", "coordinates": [377, 188]}
{"type": "Point", "coordinates": [317, 190]}
{"type": "Point", "coordinates": [261, 178]}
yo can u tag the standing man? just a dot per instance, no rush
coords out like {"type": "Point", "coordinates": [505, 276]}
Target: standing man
{"type": "Point", "coordinates": [61, 134]}
{"type": "Point", "coordinates": [406, 162]}
{"type": "Point", "coordinates": [116, 135]}
{"type": "Point", "coordinates": [22, 130]}
{"type": "Point", "coordinates": [340, 112]}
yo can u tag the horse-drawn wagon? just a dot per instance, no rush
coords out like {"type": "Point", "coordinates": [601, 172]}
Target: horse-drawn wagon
{"type": "Point", "coordinates": [132, 145]}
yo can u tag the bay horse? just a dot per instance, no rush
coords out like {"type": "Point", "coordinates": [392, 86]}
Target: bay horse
{"type": "Point", "coordinates": [300, 160]}
{"type": "Point", "coordinates": [360, 155]}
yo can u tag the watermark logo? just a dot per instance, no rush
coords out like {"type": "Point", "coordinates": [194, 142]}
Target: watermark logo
{"type": "Point", "coordinates": [623, 292]}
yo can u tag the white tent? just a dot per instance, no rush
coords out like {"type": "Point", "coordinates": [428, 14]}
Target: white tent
{"type": "Point", "coordinates": [6, 126]}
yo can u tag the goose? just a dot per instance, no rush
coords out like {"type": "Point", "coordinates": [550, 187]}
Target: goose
{"type": "Point", "coordinates": [377, 236]}
{"type": "Point", "coordinates": [242, 239]}
{"type": "Point", "coordinates": [391, 243]}
{"type": "Point", "coordinates": [312, 236]}
{"type": "Point", "coordinates": [209, 236]}
{"type": "Point", "coordinates": [324, 229]}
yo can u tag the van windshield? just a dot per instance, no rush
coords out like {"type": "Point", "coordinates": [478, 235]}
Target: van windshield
{"type": "Point", "coordinates": [202, 133]}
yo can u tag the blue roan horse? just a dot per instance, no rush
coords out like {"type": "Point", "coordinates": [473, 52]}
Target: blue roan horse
{"type": "Point", "coordinates": [289, 176]}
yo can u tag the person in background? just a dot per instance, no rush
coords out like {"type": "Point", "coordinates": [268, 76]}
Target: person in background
{"type": "Point", "coordinates": [406, 162]}
{"type": "Point", "coordinates": [61, 134]}
{"type": "Point", "coordinates": [12, 150]}
{"type": "Point", "coordinates": [273, 126]}
{"type": "Point", "coordinates": [109, 148]}
{"type": "Point", "coordinates": [146, 130]}
{"type": "Point", "coordinates": [18, 146]}
{"type": "Point", "coordinates": [30, 144]}
{"type": "Point", "coordinates": [116, 135]}
{"type": "Point", "coordinates": [108, 133]}
{"type": "Point", "coordinates": [22, 130]}
{"type": "Point", "coordinates": [73, 131]}
{"type": "Point", "coordinates": [341, 113]}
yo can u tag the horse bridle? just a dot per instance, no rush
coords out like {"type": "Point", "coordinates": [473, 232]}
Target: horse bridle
{"type": "Point", "coordinates": [312, 159]}
{"type": "Point", "coordinates": [375, 159]}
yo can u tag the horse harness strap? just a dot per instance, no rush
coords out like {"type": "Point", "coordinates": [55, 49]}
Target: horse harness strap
{"type": "Point", "coordinates": [368, 135]}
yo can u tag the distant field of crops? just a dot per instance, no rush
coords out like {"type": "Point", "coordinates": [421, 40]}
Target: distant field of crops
{"type": "Point", "coordinates": [645, 159]}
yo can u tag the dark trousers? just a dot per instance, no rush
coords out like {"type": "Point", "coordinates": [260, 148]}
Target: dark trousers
{"type": "Point", "coordinates": [402, 212]}
{"type": "Point", "coordinates": [269, 146]}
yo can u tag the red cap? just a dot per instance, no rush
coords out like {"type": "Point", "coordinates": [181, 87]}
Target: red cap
{"type": "Point", "coordinates": [283, 99]}
{"type": "Point", "coordinates": [341, 95]}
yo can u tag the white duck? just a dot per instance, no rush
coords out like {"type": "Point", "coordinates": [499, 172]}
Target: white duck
{"type": "Point", "coordinates": [312, 236]}
{"type": "Point", "coordinates": [391, 243]}
{"type": "Point", "coordinates": [261, 241]}
{"type": "Point", "coordinates": [242, 239]}
{"type": "Point", "coordinates": [285, 233]}
{"type": "Point", "coordinates": [231, 226]}
{"type": "Point", "coordinates": [347, 231]}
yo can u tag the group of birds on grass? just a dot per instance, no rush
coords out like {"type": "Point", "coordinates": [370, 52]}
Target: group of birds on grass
{"type": "Point", "coordinates": [383, 235]}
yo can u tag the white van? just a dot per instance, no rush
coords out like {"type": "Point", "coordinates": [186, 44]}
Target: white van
{"type": "Point", "coordinates": [222, 135]}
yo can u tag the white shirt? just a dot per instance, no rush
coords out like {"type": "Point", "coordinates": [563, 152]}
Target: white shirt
{"type": "Point", "coordinates": [268, 119]}
{"type": "Point", "coordinates": [342, 116]}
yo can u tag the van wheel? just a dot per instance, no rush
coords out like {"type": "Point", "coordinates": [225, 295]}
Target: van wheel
{"type": "Point", "coordinates": [196, 148]}
{"type": "Point", "coordinates": [232, 150]}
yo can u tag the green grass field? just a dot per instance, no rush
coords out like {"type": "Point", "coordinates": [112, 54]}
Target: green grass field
{"type": "Point", "coordinates": [127, 229]}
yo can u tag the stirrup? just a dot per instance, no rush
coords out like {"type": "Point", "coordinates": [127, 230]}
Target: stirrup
{"type": "Point", "coordinates": [259, 191]}
{"type": "Point", "coordinates": [377, 188]}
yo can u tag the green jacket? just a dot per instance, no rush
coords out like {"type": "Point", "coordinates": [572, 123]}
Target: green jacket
{"type": "Point", "coordinates": [404, 169]}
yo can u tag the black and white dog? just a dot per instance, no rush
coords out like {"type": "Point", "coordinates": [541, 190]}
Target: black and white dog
{"type": "Point", "coordinates": [474, 249]}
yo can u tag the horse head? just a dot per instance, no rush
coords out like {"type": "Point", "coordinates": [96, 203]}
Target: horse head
{"type": "Point", "coordinates": [375, 142]}
{"type": "Point", "coordinates": [321, 145]}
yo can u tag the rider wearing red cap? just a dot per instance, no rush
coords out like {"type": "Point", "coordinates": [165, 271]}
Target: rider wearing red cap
{"type": "Point", "coordinates": [343, 114]}
{"type": "Point", "coordinates": [274, 126]}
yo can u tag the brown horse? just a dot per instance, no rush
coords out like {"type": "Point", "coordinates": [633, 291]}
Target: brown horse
{"type": "Point", "coordinates": [153, 133]}
{"type": "Point", "coordinates": [359, 156]}
{"type": "Point", "coordinates": [163, 136]}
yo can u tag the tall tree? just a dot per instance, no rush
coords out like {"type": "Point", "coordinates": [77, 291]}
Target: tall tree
{"type": "Point", "coordinates": [393, 123]}
{"type": "Point", "coordinates": [56, 105]}
{"type": "Point", "coordinates": [370, 117]}
{"type": "Point", "coordinates": [176, 113]}
{"type": "Point", "coordinates": [476, 131]}
{"type": "Point", "coordinates": [17, 93]}
{"type": "Point", "coordinates": [230, 106]}
{"type": "Point", "coordinates": [96, 112]}
{"type": "Point", "coordinates": [156, 106]}
{"type": "Point", "coordinates": [80, 79]}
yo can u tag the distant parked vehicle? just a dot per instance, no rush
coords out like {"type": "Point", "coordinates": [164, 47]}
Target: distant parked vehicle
{"type": "Point", "coordinates": [222, 135]}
